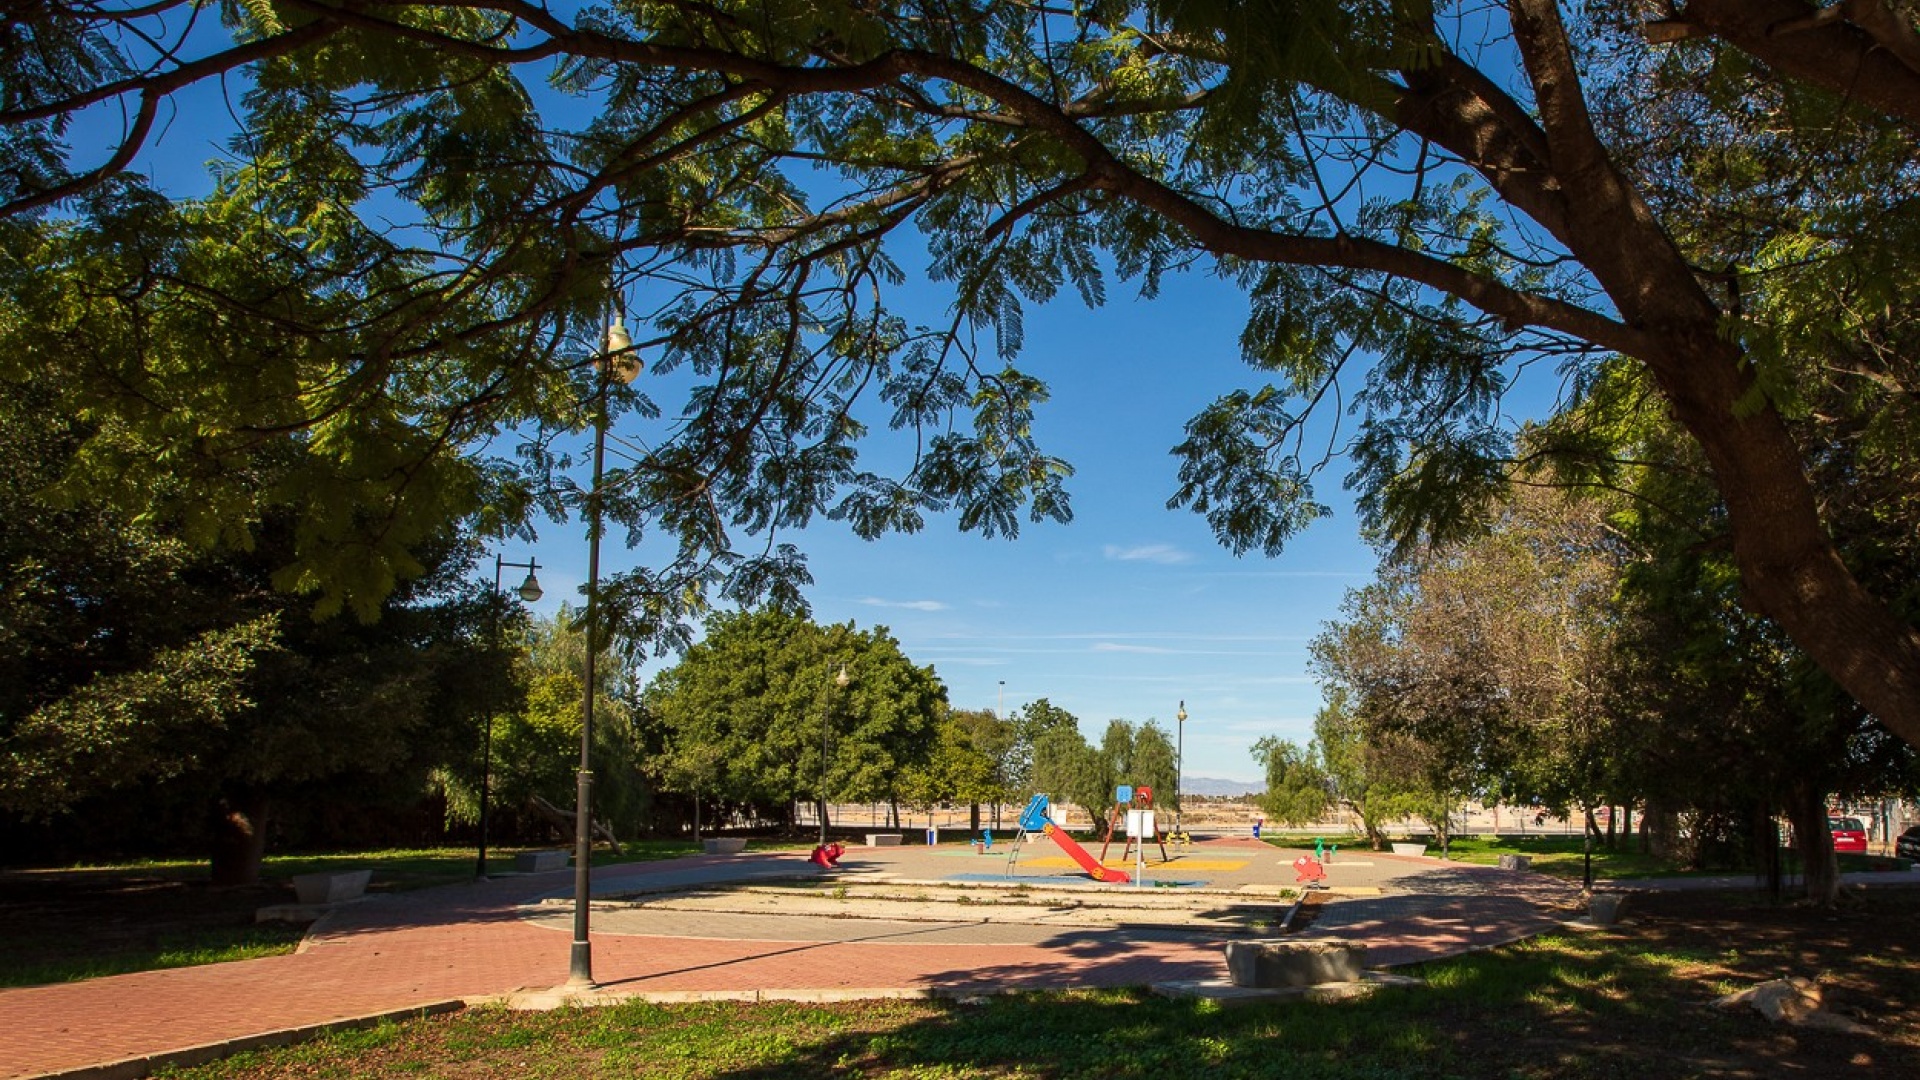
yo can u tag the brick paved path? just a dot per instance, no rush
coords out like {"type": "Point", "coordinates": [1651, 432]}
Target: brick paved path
{"type": "Point", "coordinates": [463, 942]}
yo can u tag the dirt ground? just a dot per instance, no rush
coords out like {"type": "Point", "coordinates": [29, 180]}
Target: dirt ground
{"type": "Point", "coordinates": [1863, 955]}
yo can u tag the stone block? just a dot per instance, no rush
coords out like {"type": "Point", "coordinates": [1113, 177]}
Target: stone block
{"type": "Point", "coordinates": [884, 839]}
{"type": "Point", "coordinates": [1606, 908]}
{"type": "Point", "coordinates": [1294, 963]}
{"type": "Point", "coordinates": [724, 845]}
{"type": "Point", "coordinates": [539, 862]}
{"type": "Point", "coordinates": [331, 888]}
{"type": "Point", "coordinates": [1516, 862]}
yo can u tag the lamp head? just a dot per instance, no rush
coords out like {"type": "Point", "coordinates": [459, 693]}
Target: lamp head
{"type": "Point", "coordinates": [530, 589]}
{"type": "Point", "coordinates": [1182, 714]}
{"type": "Point", "coordinates": [619, 361]}
{"type": "Point", "coordinates": [841, 680]}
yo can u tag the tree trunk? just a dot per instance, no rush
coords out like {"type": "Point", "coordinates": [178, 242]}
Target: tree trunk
{"type": "Point", "coordinates": [1813, 841]}
{"type": "Point", "coordinates": [974, 819]}
{"type": "Point", "coordinates": [1790, 568]}
{"type": "Point", "coordinates": [1660, 829]}
{"type": "Point", "coordinates": [239, 837]}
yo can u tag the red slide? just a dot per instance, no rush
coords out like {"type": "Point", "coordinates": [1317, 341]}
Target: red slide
{"type": "Point", "coordinates": [1079, 855]}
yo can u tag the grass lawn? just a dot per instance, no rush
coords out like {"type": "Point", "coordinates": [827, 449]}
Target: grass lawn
{"type": "Point", "coordinates": [1627, 1002]}
{"type": "Point", "coordinates": [1561, 857]}
{"type": "Point", "coordinates": [72, 923]}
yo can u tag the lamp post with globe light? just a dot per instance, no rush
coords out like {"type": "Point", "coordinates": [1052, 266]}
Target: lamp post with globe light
{"type": "Point", "coordinates": [826, 716]}
{"type": "Point", "coordinates": [529, 591]}
{"type": "Point", "coordinates": [617, 361]}
{"type": "Point", "coordinates": [1179, 763]}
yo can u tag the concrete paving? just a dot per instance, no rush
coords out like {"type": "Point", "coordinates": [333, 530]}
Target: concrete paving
{"type": "Point", "coordinates": [508, 940]}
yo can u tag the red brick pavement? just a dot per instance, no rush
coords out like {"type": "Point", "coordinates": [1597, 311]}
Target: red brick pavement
{"type": "Point", "coordinates": [400, 952]}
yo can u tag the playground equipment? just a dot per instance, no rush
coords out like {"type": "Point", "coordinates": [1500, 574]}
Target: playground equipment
{"type": "Point", "coordinates": [827, 855]}
{"type": "Point", "coordinates": [1308, 871]}
{"type": "Point", "coordinates": [1127, 798]}
{"type": "Point", "coordinates": [1035, 819]}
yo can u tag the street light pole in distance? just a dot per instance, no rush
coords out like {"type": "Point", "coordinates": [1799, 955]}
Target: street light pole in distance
{"type": "Point", "coordinates": [529, 591]}
{"type": "Point", "coordinates": [1179, 763]}
{"type": "Point", "coordinates": [826, 719]}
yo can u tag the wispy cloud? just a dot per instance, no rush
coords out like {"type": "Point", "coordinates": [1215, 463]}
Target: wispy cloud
{"type": "Point", "coordinates": [1114, 646]}
{"type": "Point", "coordinates": [910, 605]}
{"type": "Point", "coordinates": [1164, 554]}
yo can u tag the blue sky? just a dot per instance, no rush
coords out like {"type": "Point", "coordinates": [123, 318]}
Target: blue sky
{"type": "Point", "coordinates": [1126, 611]}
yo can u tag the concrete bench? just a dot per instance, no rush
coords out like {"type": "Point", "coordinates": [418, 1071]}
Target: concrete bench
{"type": "Point", "coordinates": [332, 887]}
{"type": "Point", "coordinates": [883, 839]}
{"type": "Point", "coordinates": [1516, 862]}
{"type": "Point", "coordinates": [1409, 849]}
{"type": "Point", "coordinates": [724, 845]}
{"type": "Point", "coordinates": [539, 862]}
{"type": "Point", "coordinates": [1294, 963]}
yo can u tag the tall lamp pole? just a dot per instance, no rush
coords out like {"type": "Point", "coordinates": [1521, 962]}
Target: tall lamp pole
{"type": "Point", "coordinates": [529, 591]}
{"type": "Point", "coordinates": [618, 361]}
{"type": "Point", "coordinates": [1179, 761]}
{"type": "Point", "coordinates": [841, 680]}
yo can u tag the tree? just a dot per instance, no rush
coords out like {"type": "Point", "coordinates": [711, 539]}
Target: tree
{"type": "Point", "coordinates": [536, 740]}
{"type": "Point", "coordinates": [996, 742]}
{"type": "Point", "coordinates": [1296, 784]}
{"type": "Point", "coordinates": [1068, 769]}
{"type": "Point", "coordinates": [1513, 220]}
{"type": "Point", "coordinates": [144, 671]}
{"type": "Point", "coordinates": [761, 688]}
{"type": "Point", "coordinates": [1031, 724]}
{"type": "Point", "coordinates": [1341, 744]}
{"type": "Point", "coordinates": [957, 770]}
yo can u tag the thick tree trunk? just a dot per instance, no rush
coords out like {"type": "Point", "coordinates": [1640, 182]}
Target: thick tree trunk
{"type": "Point", "coordinates": [239, 829]}
{"type": "Point", "coordinates": [1807, 810]}
{"type": "Point", "coordinates": [1790, 570]}
{"type": "Point", "coordinates": [1660, 829]}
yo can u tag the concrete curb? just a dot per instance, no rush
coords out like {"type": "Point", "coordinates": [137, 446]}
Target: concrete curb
{"type": "Point", "coordinates": [134, 1068]}
{"type": "Point", "coordinates": [562, 997]}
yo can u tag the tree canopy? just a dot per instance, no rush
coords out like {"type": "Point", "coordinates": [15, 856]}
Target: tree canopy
{"type": "Point", "coordinates": [748, 712]}
{"type": "Point", "coordinates": [178, 683]}
{"type": "Point", "coordinates": [1720, 197]}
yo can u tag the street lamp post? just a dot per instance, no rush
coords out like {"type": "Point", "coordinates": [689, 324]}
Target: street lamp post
{"type": "Point", "coordinates": [618, 361]}
{"type": "Point", "coordinates": [1179, 762]}
{"type": "Point", "coordinates": [826, 715]}
{"type": "Point", "coordinates": [529, 591]}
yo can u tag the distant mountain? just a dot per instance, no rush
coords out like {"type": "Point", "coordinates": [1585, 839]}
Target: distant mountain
{"type": "Point", "coordinates": [1208, 785]}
